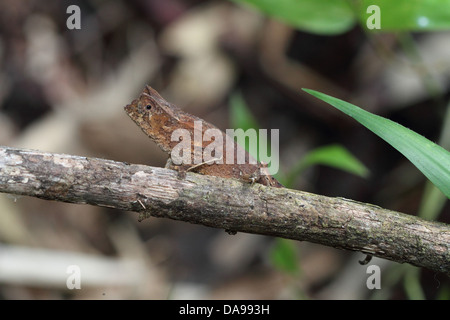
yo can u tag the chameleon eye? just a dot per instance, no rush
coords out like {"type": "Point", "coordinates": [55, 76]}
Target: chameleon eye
{"type": "Point", "coordinates": [148, 107]}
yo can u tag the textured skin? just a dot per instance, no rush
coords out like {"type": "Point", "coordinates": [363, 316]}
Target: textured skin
{"type": "Point", "coordinates": [159, 118]}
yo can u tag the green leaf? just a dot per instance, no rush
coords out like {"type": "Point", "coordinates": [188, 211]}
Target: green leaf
{"type": "Point", "coordinates": [431, 203]}
{"type": "Point", "coordinates": [330, 17]}
{"type": "Point", "coordinates": [444, 293]}
{"type": "Point", "coordinates": [335, 156]}
{"type": "Point", "coordinates": [284, 256]}
{"type": "Point", "coordinates": [411, 283]}
{"type": "Point", "coordinates": [431, 159]}
{"type": "Point", "coordinates": [409, 15]}
{"type": "Point", "coordinates": [316, 16]}
{"type": "Point", "coordinates": [240, 114]}
{"type": "Point", "coordinates": [242, 118]}
{"type": "Point", "coordinates": [338, 157]}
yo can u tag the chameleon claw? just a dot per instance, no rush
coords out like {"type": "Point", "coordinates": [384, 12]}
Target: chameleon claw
{"type": "Point", "coordinates": [249, 178]}
{"type": "Point", "coordinates": [366, 260]}
{"type": "Point", "coordinates": [181, 174]}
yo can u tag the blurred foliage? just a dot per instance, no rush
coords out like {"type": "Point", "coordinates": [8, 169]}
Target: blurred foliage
{"type": "Point", "coordinates": [335, 156]}
{"type": "Point", "coordinates": [284, 256]}
{"type": "Point", "coordinates": [338, 16]}
{"type": "Point", "coordinates": [242, 118]}
{"type": "Point", "coordinates": [240, 114]}
{"type": "Point", "coordinates": [444, 293]}
{"type": "Point", "coordinates": [411, 283]}
{"type": "Point", "coordinates": [431, 159]}
{"type": "Point", "coordinates": [409, 15]}
{"type": "Point", "coordinates": [322, 17]}
{"type": "Point", "coordinates": [432, 202]}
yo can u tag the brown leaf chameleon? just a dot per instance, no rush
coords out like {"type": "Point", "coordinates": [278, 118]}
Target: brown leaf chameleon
{"type": "Point", "coordinates": [159, 119]}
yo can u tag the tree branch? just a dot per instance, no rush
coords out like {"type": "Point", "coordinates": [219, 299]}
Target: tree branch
{"type": "Point", "coordinates": [228, 204]}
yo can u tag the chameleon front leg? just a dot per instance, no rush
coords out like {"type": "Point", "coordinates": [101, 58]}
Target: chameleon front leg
{"type": "Point", "coordinates": [250, 177]}
{"type": "Point", "coordinates": [181, 169]}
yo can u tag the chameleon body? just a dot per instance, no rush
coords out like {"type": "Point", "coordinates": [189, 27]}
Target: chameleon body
{"type": "Point", "coordinates": [158, 119]}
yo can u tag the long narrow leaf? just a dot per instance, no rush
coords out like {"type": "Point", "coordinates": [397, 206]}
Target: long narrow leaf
{"type": "Point", "coordinates": [431, 159]}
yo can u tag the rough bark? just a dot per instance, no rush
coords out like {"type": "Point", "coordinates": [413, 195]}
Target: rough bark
{"type": "Point", "coordinates": [228, 204]}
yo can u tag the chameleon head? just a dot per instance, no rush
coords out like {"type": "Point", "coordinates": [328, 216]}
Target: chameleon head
{"type": "Point", "coordinates": [153, 115]}
{"type": "Point", "coordinates": [146, 105]}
